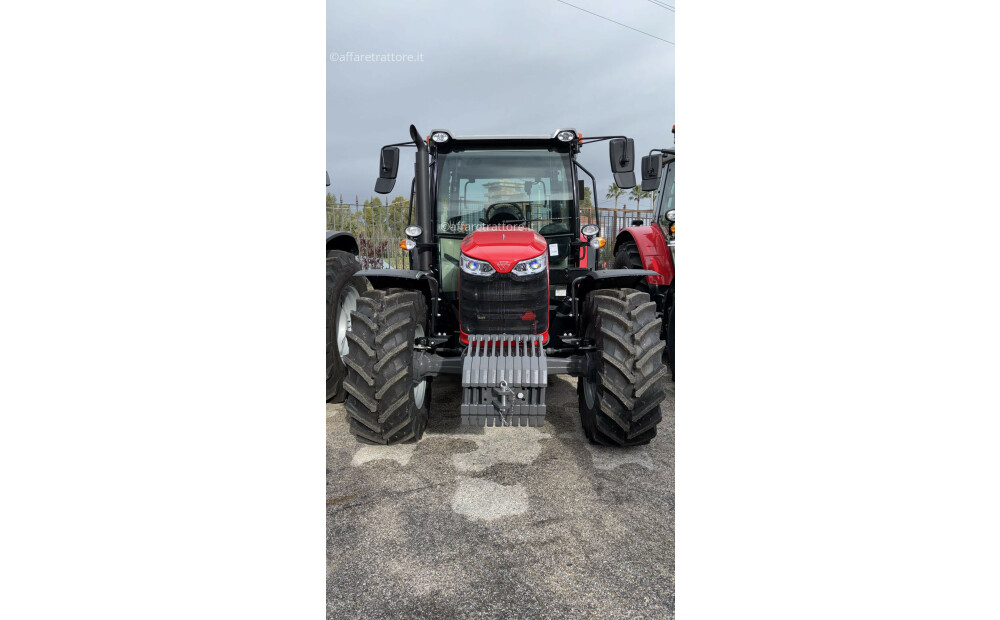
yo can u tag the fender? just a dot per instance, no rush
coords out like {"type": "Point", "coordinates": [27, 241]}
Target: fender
{"type": "Point", "coordinates": [653, 250]}
{"type": "Point", "coordinates": [412, 279]}
{"type": "Point", "coordinates": [344, 241]}
{"type": "Point", "coordinates": [604, 278]}
{"type": "Point", "coordinates": [402, 278]}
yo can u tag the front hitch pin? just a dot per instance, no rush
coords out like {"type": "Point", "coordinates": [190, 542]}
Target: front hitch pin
{"type": "Point", "coordinates": [502, 406]}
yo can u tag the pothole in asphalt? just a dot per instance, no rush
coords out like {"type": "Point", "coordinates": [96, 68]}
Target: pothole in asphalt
{"type": "Point", "coordinates": [482, 500]}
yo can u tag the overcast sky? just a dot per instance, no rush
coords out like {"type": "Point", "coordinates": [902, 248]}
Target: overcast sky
{"type": "Point", "coordinates": [493, 67]}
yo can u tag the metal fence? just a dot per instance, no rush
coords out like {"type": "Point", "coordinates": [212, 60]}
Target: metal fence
{"type": "Point", "coordinates": [379, 229]}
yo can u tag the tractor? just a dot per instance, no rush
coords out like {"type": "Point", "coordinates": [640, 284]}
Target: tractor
{"type": "Point", "coordinates": [503, 290]}
{"type": "Point", "coordinates": [652, 246]}
{"type": "Point", "coordinates": [342, 291]}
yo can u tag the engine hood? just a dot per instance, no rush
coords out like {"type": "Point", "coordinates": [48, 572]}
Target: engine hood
{"type": "Point", "coordinates": [503, 246]}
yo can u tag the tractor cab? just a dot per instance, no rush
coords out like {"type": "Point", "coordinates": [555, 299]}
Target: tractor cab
{"type": "Point", "coordinates": [503, 290]}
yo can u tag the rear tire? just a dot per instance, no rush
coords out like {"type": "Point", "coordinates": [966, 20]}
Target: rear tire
{"type": "Point", "coordinates": [384, 405]}
{"type": "Point", "coordinates": [620, 399]}
{"type": "Point", "coordinates": [628, 257]}
{"type": "Point", "coordinates": [342, 291]}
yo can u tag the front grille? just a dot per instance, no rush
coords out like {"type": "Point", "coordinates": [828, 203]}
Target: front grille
{"type": "Point", "coordinates": [504, 304]}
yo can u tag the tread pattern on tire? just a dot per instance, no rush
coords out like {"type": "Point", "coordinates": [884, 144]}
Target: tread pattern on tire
{"type": "Point", "coordinates": [628, 257]}
{"type": "Point", "coordinates": [379, 384]}
{"type": "Point", "coordinates": [630, 372]}
{"type": "Point", "coordinates": [340, 269]}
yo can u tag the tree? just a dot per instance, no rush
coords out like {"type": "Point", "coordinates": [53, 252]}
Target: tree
{"type": "Point", "coordinates": [615, 192]}
{"type": "Point", "coordinates": [587, 202]}
{"type": "Point", "coordinates": [636, 194]}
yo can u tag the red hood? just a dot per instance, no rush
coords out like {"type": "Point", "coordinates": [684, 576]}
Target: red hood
{"type": "Point", "coordinates": [503, 246]}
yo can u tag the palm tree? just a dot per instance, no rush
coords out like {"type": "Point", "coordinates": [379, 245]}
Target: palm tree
{"type": "Point", "coordinates": [636, 194]}
{"type": "Point", "coordinates": [615, 192]}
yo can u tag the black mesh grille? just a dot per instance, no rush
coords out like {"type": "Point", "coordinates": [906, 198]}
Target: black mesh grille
{"type": "Point", "coordinates": [497, 304]}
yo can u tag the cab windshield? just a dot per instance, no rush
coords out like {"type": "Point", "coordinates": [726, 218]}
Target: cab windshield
{"type": "Point", "coordinates": [529, 188]}
{"type": "Point", "coordinates": [489, 187]}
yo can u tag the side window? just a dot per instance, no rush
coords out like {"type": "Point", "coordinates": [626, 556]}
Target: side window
{"type": "Point", "coordinates": [666, 197]}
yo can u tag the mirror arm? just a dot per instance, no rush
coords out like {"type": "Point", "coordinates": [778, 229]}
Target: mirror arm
{"type": "Point", "coordinates": [593, 182]}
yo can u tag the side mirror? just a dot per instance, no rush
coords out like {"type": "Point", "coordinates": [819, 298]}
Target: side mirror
{"type": "Point", "coordinates": [328, 178]}
{"type": "Point", "coordinates": [651, 165]}
{"type": "Point", "coordinates": [623, 162]}
{"type": "Point", "coordinates": [388, 166]}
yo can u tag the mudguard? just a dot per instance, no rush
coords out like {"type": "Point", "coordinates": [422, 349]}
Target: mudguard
{"type": "Point", "coordinates": [402, 278]}
{"type": "Point", "coordinates": [652, 248]}
{"type": "Point", "coordinates": [337, 240]}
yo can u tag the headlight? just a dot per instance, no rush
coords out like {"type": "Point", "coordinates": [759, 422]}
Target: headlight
{"type": "Point", "coordinates": [565, 136]}
{"type": "Point", "coordinates": [476, 267]}
{"type": "Point", "coordinates": [670, 215]}
{"type": "Point", "coordinates": [590, 230]}
{"type": "Point", "coordinates": [413, 231]}
{"type": "Point", "coordinates": [439, 137]}
{"type": "Point", "coordinates": [531, 266]}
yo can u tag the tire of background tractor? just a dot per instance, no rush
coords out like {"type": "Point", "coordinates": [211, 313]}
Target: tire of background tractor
{"type": "Point", "coordinates": [628, 257]}
{"type": "Point", "coordinates": [620, 399]}
{"type": "Point", "coordinates": [384, 405]}
{"type": "Point", "coordinates": [668, 339]}
{"type": "Point", "coordinates": [343, 289]}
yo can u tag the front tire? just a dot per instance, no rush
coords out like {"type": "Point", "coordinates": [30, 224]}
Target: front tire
{"type": "Point", "coordinates": [343, 289]}
{"type": "Point", "coordinates": [384, 404]}
{"type": "Point", "coordinates": [620, 397]}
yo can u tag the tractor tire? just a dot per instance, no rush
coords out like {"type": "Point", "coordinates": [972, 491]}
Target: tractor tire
{"type": "Point", "coordinates": [384, 405]}
{"type": "Point", "coordinates": [628, 257]}
{"type": "Point", "coordinates": [620, 396]}
{"type": "Point", "coordinates": [343, 289]}
{"type": "Point", "coordinates": [668, 339]}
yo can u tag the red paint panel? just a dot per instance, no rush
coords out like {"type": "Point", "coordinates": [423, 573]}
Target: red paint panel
{"type": "Point", "coordinates": [653, 249]}
{"type": "Point", "coordinates": [503, 247]}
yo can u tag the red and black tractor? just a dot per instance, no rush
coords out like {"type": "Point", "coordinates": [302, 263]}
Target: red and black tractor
{"type": "Point", "coordinates": [652, 246]}
{"type": "Point", "coordinates": [503, 290]}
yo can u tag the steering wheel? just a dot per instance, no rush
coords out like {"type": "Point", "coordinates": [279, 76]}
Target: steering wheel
{"type": "Point", "coordinates": [504, 213]}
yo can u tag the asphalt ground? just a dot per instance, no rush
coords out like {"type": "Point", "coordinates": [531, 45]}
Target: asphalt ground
{"type": "Point", "coordinates": [500, 522]}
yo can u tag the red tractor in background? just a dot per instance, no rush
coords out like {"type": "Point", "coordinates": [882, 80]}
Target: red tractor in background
{"type": "Point", "coordinates": [503, 290]}
{"type": "Point", "coordinates": [652, 247]}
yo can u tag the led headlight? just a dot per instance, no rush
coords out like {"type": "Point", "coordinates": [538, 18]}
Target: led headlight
{"type": "Point", "coordinates": [413, 231]}
{"type": "Point", "coordinates": [531, 266]}
{"type": "Point", "coordinates": [439, 137]}
{"type": "Point", "coordinates": [670, 215]}
{"type": "Point", "coordinates": [565, 136]}
{"type": "Point", "coordinates": [590, 230]}
{"type": "Point", "coordinates": [476, 267]}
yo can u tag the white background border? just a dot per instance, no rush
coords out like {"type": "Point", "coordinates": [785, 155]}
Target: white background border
{"type": "Point", "coordinates": [162, 447]}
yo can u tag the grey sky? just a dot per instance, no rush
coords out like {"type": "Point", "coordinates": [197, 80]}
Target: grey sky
{"type": "Point", "coordinates": [493, 67]}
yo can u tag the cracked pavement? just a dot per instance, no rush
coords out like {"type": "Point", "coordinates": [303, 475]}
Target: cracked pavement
{"type": "Point", "coordinates": [525, 522]}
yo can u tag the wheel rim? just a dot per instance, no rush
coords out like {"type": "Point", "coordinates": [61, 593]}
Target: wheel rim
{"type": "Point", "coordinates": [348, 304]}
{"type": "Point", "coordinates": [420, 389]}
{"type": "Point", "coordinates": [589, 392]}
